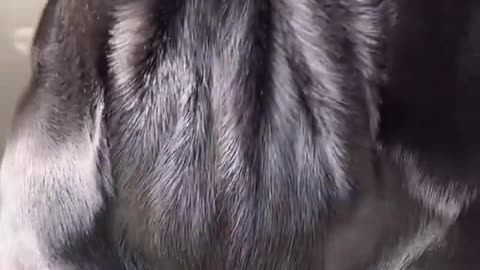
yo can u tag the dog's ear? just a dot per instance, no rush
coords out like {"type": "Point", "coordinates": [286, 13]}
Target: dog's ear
{"type": "Point", "coordinates": [54, 175]}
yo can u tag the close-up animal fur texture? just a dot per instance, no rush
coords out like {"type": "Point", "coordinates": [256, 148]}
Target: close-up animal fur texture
{"type": "Point", "coordinates": [247, 135]}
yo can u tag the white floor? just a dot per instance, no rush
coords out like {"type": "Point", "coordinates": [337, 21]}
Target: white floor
{"type": "Point", "coordinates": [18, 19]}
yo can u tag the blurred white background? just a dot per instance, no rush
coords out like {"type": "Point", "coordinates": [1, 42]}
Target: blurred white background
{"type": "Point", "coordinates": [18, 19]}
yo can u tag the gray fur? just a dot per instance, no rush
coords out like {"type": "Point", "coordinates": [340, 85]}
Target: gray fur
{"type": "Point", "coordinates": [221, 135]}
{"type": "Point", "coordinates": [211, 111]}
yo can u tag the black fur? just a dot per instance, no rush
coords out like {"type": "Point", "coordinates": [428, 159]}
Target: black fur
{"type": "Point", "coordinates": [253, 134]}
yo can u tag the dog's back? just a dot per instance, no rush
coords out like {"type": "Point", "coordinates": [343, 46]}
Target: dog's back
{"type": "Point", "coordinates": [241, 124]}
{"type": "Point", "coordinates": [244, 135]}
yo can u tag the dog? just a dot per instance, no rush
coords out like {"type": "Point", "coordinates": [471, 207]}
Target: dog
{"type": "Point", "coordinates": [253, 134]}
